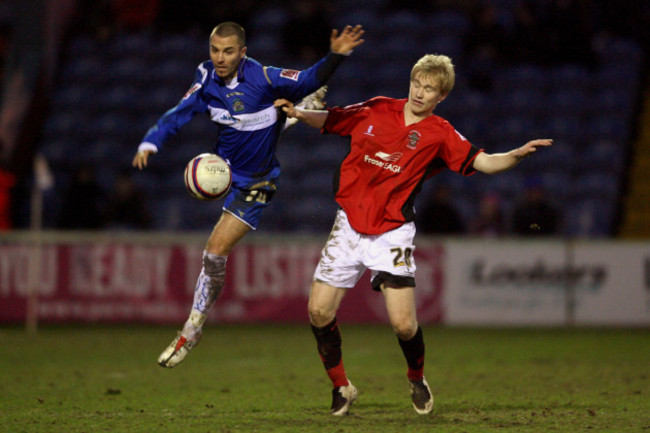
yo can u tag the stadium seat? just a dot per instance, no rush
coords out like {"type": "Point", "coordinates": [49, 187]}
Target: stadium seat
{"type": "Point", "coordinates": [269, 19]}
{"type": "Point", "coordinates": [73, 96]}
{"type": "Point", "coordinates": [557, 184]}
{"type": "Point", "coordinates": [589, 218]}
{"type": "Point", "coordinates": [572, 102]}
{"type": "Point", "coordinates": [521, 76]}
{"type": "Point", "coordinates": [603, 155]}
{"type": "Point", "coordinates": [565, 77]}
{"type": "Point", "coordinates": [130, 44]}
{"type": "Point", "coordinates": [448, 22]}
{"type": "Point", "coordinates": [603, 186]}
{"type": "Point", "coordinates": [369, 18]}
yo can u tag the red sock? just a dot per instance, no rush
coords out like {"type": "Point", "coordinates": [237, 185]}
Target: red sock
{"type": "Point", "coordinates": [337, 375]}
{"type": "Point", "coordinates": [328, 339]}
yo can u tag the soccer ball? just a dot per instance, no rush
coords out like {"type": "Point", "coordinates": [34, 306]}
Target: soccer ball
{"type": "Point", "coordinates": [207, 177]}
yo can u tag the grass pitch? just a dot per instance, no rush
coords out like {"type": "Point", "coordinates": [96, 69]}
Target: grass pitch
{"type": "Point", "coordinates": [268, 378]}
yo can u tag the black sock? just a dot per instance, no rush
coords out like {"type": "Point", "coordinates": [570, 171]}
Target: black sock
{"type": "Point", "coordinates": [413, 350]}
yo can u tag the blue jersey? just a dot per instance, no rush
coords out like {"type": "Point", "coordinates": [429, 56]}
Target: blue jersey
{"type": "Point", "coordinates": [249, 126]}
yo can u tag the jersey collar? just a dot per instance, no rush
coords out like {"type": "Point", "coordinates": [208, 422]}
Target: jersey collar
{"type": "Point", "coordinates": [240, 73]}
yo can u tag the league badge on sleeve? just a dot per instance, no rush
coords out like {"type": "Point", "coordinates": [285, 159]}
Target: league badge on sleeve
{"type": "Point", "coordinates": [291, 74]}
{"type": "Point", "coordinates": [192, 89]}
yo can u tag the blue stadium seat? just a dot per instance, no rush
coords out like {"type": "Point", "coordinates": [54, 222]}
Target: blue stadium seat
{"type": "Point", "coordinates": [449, 22]}
{"type": "Point", "coordinates": [566, 128]}
{"type": "Point", "coordinates": [318, 184]}
{"type": "Point", "coordinates": [311, 214]}
{"type": "Point", "coordinates": [612, 127]}
{"type": "Point", "coordinates": [367, 17]}
{"type": "Point", "coordinates": [589, 218]}
{"type": "Point", "coordinates": [130, 44]}
{"type": "Point", "coordinates": [269, 19]}
{"type": "Point", "coordinates": [127, 68]}
{"type": "Point", "coordinates": [604, 155]}
{"type": "Point", "coordinates": [557, 184]}
{"type": "Point", "coordinates": [522, 76]}
{"type": "Point", "coordinates": [565, 77]}
{"type": "Point", "coordinates": [88, 68]}
{"type": "Point", "coordinates": [521, 100]}
{"type": "Point", "coordinates": [569, 102]}
{"type": "Point", "coordinates": [602, 186]}
{"type": "Point", "coordinates": [73, 96]}
{"type": "Point", "coordinates": [402, 22]}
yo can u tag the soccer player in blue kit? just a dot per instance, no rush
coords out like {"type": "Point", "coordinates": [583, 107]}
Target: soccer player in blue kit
{"type": "Point", "coordinates": [237, 92]}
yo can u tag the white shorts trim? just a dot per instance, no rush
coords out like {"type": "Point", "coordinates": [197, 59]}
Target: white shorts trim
{"type": "Point", "coordinates": [235, 215]}
{"type": "Point", "coordinates": [347, 254]}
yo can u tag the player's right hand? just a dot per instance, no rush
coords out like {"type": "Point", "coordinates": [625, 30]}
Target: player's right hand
{"type": "Point", "coordinates": [286, 106]}
{"type": "Point", "coordinates": [140, 159]}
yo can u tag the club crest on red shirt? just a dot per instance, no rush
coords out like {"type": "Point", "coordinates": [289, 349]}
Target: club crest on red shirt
{"type": "Point", "coordinates": [413, 139]}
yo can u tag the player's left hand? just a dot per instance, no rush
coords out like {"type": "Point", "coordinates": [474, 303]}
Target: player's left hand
{"type": "Point", "coordinates": [347, 40]}
{"type": "Point", "coordinates": [531, 147]}
{"type": "Point", "coordinates": [141, 158]}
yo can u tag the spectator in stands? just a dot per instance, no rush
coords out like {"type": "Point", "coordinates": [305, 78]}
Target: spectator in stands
{"type": "Point", "coordinates": [439, 216]}
{"type": "Point", "coordinates": [82, 206]}
{"type": "Point", "coordinates": [490, 221]}
{"type": "Point", "coordinates": [534, 214]}
{"type": "Point", "coordinates": [127, 207]}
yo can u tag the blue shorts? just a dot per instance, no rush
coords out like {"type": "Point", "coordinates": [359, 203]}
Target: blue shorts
{"type": "Point", "coordinates": [249, 196]}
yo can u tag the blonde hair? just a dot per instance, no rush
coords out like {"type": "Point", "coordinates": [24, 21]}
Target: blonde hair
{"type": "Point", "coordinates": [437, 67]}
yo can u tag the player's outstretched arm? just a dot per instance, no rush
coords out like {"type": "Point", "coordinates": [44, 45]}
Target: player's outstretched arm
{"type": "Point", "coordinates": [313, 118]}
{"type": "Point", "coordinates": [347, 40]}
{"type": "Point", "coordinates": [498, 162]}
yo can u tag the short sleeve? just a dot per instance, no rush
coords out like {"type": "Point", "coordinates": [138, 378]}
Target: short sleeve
{"type": "Point", "coordinates": [458, 153]}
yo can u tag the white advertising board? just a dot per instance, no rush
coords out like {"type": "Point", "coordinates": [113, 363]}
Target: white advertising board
{"type": "Point", "coordinates": [622, 296]}
{"type": "Point", "coordinates": [505, 282]}
{"type": "Point", "coordinates": [549, 283]}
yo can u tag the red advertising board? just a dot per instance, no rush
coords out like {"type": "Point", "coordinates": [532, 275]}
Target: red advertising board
{"type": "Point", "coordinates": [115, 282]}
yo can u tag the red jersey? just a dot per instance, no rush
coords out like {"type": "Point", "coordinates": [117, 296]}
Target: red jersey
{"type": "Point", "coordinates": [388, 161]}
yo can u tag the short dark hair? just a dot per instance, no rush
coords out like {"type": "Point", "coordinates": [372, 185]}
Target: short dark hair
{"type": "Point", "coordinates": [230, 28]}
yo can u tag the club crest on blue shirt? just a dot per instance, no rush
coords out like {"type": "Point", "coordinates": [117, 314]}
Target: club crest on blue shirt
{"type": "Point", "coordinates": [237, 105]}
{"type": "Point", "coordinates": [413, 139]}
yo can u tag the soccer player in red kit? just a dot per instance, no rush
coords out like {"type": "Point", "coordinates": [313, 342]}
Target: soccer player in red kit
{"type": "Point", "coordinates": [395, 145]}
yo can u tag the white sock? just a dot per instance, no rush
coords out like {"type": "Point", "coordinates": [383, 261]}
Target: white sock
{"type": "Point", "coordinates": [194, 324]}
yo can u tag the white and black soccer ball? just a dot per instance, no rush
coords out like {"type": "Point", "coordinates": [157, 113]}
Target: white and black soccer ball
{"type": "Point", "coordinates": [207, 177]}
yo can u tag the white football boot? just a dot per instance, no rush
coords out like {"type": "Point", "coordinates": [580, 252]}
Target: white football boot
{"type": "Point", "coordinates": [178, 349]}
{"type": "Point", "coordinates": [421, 396]}
{"type": "Point", "coordinates": [342, 398]}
